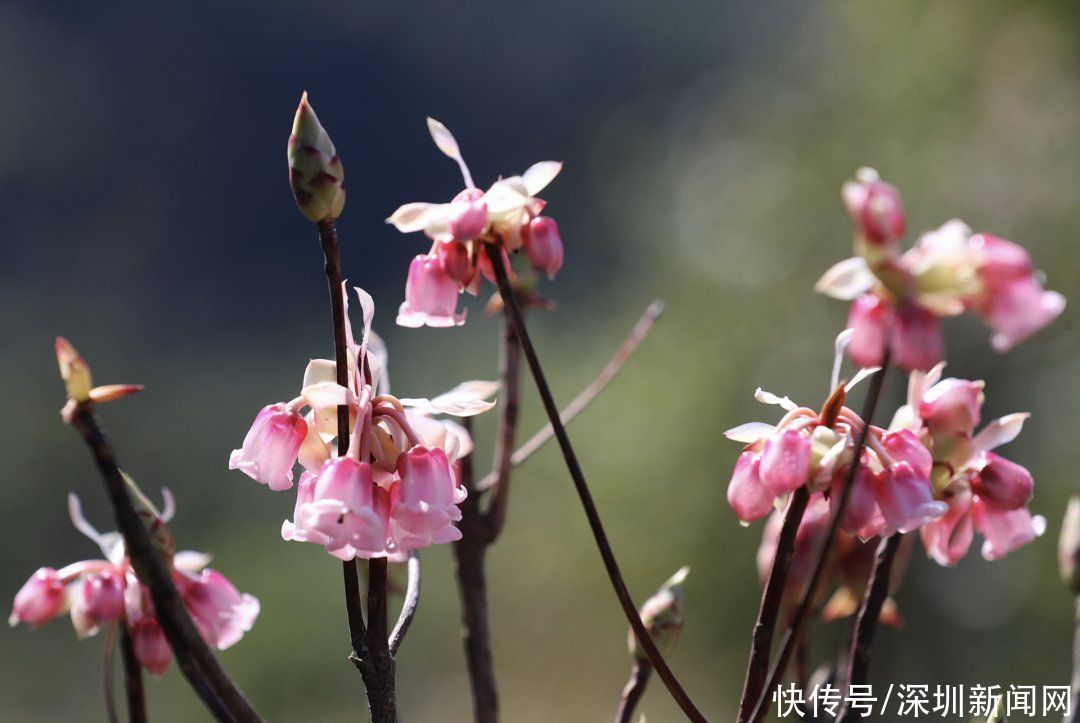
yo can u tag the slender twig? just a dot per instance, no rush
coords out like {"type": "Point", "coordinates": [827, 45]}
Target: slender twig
{"type": "Point", "coordinates": [634, 690]}
{"type": "Point", "coordinates": [107, 670]}
{"type": "Point", "coordinates": [610, 564]}
{"type": "Point", "coordinates": [328, 239]}
{"type": "Point", "coordinates": [509, 404]}
{"type": "Point", "coordinates": [757, 669]}
{"type": "Point", "coordinates": [866, 623]}
{"type": "Point", "coordinates": [809, 593]}
{"type": "Point", "coordinates": [133, 681]}
{"type": "Point", "coordinates": [588, 394]}
{"type": "Point", "coordinates": [378, 666]}
{"type": "Point", "coordinates": [408, 608]}
{"type": "Point", "coordinates": [198, 664]}
{"type": "Point", "coordinates": [1074, 714]}
{"type": "Point", "coordinates": [469, 555]}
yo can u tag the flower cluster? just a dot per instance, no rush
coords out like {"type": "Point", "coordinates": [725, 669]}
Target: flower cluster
{"type": "Point", "coordinates": [507, 213]}
{"type": "Point", "coordinates": [395, 489]}
{"type": "Point", "coordinates": [983, 490]}
{"type": "Point", "coordinates": [898, 298]}
{"type": "Point", "coordinates": [98, 593]}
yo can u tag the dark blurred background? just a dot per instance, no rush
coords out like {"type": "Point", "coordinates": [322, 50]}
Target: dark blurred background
{"type": "Point", "coordinates": [145, 214]}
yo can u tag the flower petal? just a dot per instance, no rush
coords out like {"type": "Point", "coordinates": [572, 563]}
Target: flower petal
{"type": "Point", "coordinates": [750, 432]}
{"type": "Point", "coordinates": [769, 398]}
{"type": "Point", "coordinates": [465, 400]}
{"type": "Point", "coordinates": [1000, 431]}
{"type": "Point", "coordinates": [417, 216]}
{"type": "Point", "coordinates": [846, 279]}
{"type": "Point", "coordinates": [539, 175]}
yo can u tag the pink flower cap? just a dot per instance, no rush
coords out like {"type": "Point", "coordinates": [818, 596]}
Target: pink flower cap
{"type": "Point", "coordinates": [952, 406]}
{"type": "Point", "coordinates": [1006, 530]}
{"type": "Point", "coordinates": [746, 494]}
{"type": "Point", "coordinates": [906, 498]}
{"type": "Point", "coordinates": [151, 647]}
{"type": "Point", "coordinates": [271, 447]}
{"type": "Point", "coordinates": [543, 245]}
{"type": "Point", "coordinates": [454, 259]}
{"type": "Point", "coordinates": [1017, 310]}
{"type": "Point", "coordinates": [468, 215]}
{"type": "Point", "coordinates": [1002, 484]}
{"type": "Point", "coordinates": [101, 596]}
{"type": "Point", "coordinates": [785, 462]}
{"type": "Point", "coordinates": [431, 295]}
{"type": "Point", "coordinates": [948, 538]}
{"type": "Point", "coordinates": [870, 320]}
{"type": "Point", "coordinates": [343, 513]}
{"type": "Point", "coordinates": [219, 610]}
{"type": "Point", "coordinates": [917, 340]}
{"type": "Point", "coordinates": [39, 600]}
{"type": "Point", "coordinates": [902, 445]}
{"type": "Point", "coordinates": [875, 207]}
{"type": "Point", "coordinates": [425, 505]}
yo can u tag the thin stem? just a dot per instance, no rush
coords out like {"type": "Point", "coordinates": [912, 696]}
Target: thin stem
{"type": "Point", "coordinates": [1074, 715]}
{"type": "Point", "coordinates": [408, 607]}
{"type": "Point", "coordinates": [757, 669]}
{"type": "Point", "coordinates": [469, 554]}
{"type": "Point", "coordinates": [634, 690]}
{"type": "Point", "coordinates": [809, 593]}
{"type": "Point", "coordinates": [328, 239]}
{"type": "Point", "coordinates": [107, 670]}
{"type": "Point", "coordinates": [510, 378]}
{"type": "Point", "coordinates": [198, 664]}
{"type": "Point", "coordinates": [610, 564]}
{"type": "Point", "coordinates": [133, 681]}
{"type": "Point", "coordinates": [378, 666]}
{"type": "Point", "coordinates": [866, 623]}
{"type": "Point", "coordinates": [588, 394]}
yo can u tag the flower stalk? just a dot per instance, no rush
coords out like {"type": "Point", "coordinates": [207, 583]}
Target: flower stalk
{"type": "Point", "coordinates": [640, 674]}
{"type": "Point", "coordinates": [133, 681]}
{"type": "Point", "coordinates": [676, 689]}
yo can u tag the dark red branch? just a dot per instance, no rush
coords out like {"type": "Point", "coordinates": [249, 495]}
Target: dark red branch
{"type": "Point", "coordinates": [866, 623]}
{"type": "Point", "coordinates": [610, 564]}
{"type": "Point", "coordinates": [757, 669]}
{"type": "Point", "coordinates": [133, 681]}
{"type": "Point", "coordinates": [509, 405]}
{"type": "Point", "coordinates": [806, 600]}
{"type": "Point", "coordinates": [634, 690]}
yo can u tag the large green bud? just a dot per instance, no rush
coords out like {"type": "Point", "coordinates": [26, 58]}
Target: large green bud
{"type": "Point", "coordinates": [663, 616]}
{"type": "Point", "coordinates": [315, 171]}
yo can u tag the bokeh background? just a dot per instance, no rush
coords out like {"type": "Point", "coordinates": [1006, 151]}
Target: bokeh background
{"type": "Point", "coordinates": [145, 213]}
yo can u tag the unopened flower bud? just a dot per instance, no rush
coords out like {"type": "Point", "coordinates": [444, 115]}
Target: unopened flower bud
{"type": "Point", "coordinates": [1069, 546]}
{"type": "Point", "coordinates": [315, 171]}
{"type": "Point", "coordinates": [454, 259]}
{"type": "Point", "coordinates": [875, 207]}
{"type": "Point", "coordinates": [468, 215]}
{"type": "Point", "coordinates": [40, 600]}
{"type": "Point", "coordinates": [73, 370]}
{"type": "Point", "coordinates": [1003, 484]}
{"type": "Point", "coordinates": [271, 447]}
{"type": "Point", "coordinates": [102, 596]}
{"type": "Point", "coordinates": [870, 320]}
{"type": "Point", "coordinates": [785, 461]}
{"type": "Point", "coordinates": [543, 244]}
{"type": "Point", "coordinates": [663, 615]}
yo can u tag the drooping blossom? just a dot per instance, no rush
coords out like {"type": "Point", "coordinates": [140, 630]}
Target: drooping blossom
{"type": "Point", "coordinates": [898, 297]}
{"type": "Point", "coordinates": [892, 488]}
{"type": "Point", "coordinates": [271, 446]}
{"type": "Point", "coordinates": [394, 489]}
{"type": "Point", "coordinates": [107, 592]}
{"type": "Point", "coordinates": [507, 214]}
{"type": "Point", "coordinates": [984, 492]}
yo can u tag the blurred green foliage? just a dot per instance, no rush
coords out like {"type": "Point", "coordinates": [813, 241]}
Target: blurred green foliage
{"type": "Point", "coordinates": [145, 214]}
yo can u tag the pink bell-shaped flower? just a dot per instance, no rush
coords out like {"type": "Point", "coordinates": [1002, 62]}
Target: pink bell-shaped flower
{"type": "Point", "coordinates": [101, 596]}
{"type": "Point", "coordinates": [151, 647]}
{"type": "Point", "coordinates": [904, 446]}
{"type": "Point", "coordinates": [431, 295]}
{"type": "Point", "coordinates": [948, 538]}
{"type": "Point", "coordinates": [468, 215]}
{"type": "Point", "coordinates": [343, 513]}
{"type": "Point", "coordinates": [219, 610]}
{"type": "Point", "coordinates": [870, 320]}
{"type": "Point", "coordinates": [1002, 484]}
{"type": "Point", "coordinates": [906, 498]}
{"type": "Point", "coordinates": [1005, 530]}
{"type": "Point", "coordinates": [875, 207]}
{"type": "Point", "coordinates": [952, 406]}
{"type": "Point", "coordinates": [917, 340]}
{"type": "Point", "coordinates": [271, 447]}
{"type": "Point", "coordinates": [785, 462]}
{"type": "Point", "coordinates": [861, 509]}
{"type": "Point", "coordinates": [39, 600]}
{"type": "Point", "coordinates": [425, 504]}
{"type": "Point", "coordinates": [543, 245]}
{"type": "Point", "coordinates": [746, 494]}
